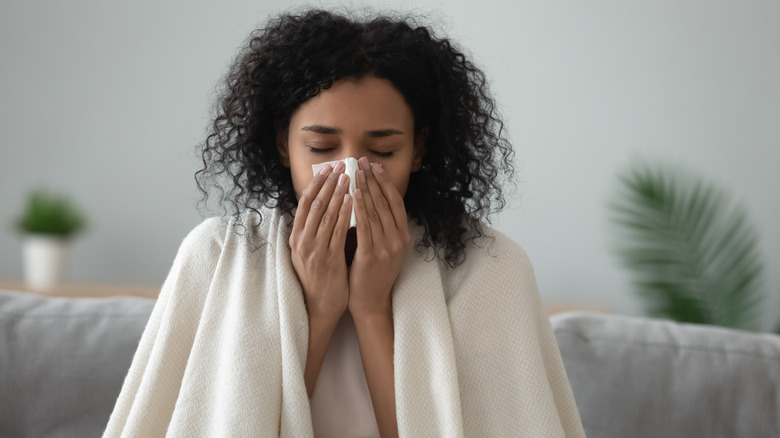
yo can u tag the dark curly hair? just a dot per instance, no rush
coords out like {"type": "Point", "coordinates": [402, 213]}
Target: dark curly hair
{"type": "Point", "coordinates": [467, 156]}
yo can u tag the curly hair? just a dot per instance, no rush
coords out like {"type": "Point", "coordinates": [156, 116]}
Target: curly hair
{"type": "Point", "coordinates": [467, 155]}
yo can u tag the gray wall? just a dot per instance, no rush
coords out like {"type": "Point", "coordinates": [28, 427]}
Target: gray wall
{"type": "Point", "coordinates": [107, 101]}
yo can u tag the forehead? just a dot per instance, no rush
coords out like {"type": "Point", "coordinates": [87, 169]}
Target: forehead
{"type": "Point", "coordinates": [368, 103]}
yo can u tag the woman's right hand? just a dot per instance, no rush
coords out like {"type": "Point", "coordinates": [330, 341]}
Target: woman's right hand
{"type": "Point", "coordinates": [317, 243]}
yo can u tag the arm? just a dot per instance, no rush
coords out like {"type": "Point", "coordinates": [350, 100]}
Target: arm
{"type": "Point", "coordinates": [375, 337]}
{"type": "Point", "coordinates": [383, 240]}
{"type": "Point", "coordinates": [319, 262]}
{"type": "Point", "coordinates": [320, 332]}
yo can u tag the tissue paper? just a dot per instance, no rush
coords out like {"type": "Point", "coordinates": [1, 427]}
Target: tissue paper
{"type": "Point", "coordinates": [351, 168]}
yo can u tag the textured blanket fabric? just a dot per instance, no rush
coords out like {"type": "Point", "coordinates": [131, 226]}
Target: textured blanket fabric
{"type": "Point", "coordinates": [224, 351]}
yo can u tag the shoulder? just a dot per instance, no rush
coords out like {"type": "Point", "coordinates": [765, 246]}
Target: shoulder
{"type": "Point", "coordinates": [195, 261]}
{"type": "Point", "coordinates": [209, 229]}
{"type": "Point", "coordinates": [208, 235]}
{"type": "Point", "coordinates": [492, 259]}
{"type": "Point", "coordinates": [495, 251]}
{"type": "Point", "coordinates": [225, 233]}
{"type": "Point", "coordinates": [216, 229]}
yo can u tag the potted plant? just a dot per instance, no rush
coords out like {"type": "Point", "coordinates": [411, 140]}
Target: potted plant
{"type": "Point", "coordinates": [692, 252]}
{"type": "Point", "coordinates": [47, 224]}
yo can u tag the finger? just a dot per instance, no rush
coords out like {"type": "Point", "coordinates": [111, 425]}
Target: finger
{"type": "Point", "coordinates": [375, 224]}
{"type": "Point", "coordinates": [394, 198]}
{"type": "Point", "coordinates": [339, 237]}
{"type": "Point", "coordinates": [309, 194]}
{"type": "Point", "coordinates": [319, 205]}
{"type": "Point", "coordinates": [362, 227]}
{"type": "Point", "coordinates": [331, 215]}
{"type": "Point", "coordinates": [378, 199]}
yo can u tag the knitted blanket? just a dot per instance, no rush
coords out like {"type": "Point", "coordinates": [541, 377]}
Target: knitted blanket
{"type": "Point", "coordinates": [224, 351]}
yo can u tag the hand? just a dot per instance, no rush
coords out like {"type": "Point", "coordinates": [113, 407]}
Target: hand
{"type": "Point", "coordinates": [382, 241]}
{"type": "Point", "coordinates": [317, 243]}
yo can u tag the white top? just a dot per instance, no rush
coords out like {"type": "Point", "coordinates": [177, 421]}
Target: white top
{"type": "Point", "coordinates": [340, 402]}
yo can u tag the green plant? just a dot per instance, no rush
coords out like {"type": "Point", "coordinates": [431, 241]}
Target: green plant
{"type": "Point", "coordinates": [49, 213]}
{"type": "Point", "coordinates": [692, 254]}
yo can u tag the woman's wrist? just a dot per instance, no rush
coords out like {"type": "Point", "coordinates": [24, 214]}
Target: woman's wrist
{"type": "Point", "coordinates": [383, 313]}
{"type": "Point", "coordinates": [321, 310]}
{"type": "Point", "coordinates": [324, 320]}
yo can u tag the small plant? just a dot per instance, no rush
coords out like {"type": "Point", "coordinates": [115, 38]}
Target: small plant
{"type": "Point", "coordinates": [49, 213]}
{"type": "Point", "coordinates": [691, 251]}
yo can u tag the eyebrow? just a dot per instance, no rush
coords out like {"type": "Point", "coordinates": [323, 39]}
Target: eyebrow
{"type": "Point", "coordinates": [332, 131]}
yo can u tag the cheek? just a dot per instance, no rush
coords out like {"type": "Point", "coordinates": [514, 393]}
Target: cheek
{"type": "Point", "coordinates": [400, 181]}
{"type": "Point", "coordinates": [301, 176]}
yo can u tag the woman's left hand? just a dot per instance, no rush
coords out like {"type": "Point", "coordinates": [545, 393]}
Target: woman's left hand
{"type": "Point", "coordinates": [382, 241]}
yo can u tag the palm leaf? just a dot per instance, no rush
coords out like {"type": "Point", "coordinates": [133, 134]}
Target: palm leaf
{"type": "Point", "coordinates": [691, 251]}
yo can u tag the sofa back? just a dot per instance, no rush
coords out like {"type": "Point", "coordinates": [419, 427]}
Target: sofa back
{"type": "Point", "coordinates": [640, 377]}
{"type": "Point", "coordinates": [63, 361]}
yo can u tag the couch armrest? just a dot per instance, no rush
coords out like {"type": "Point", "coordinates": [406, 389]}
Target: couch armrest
{"type": "Point", "coordinates": [641, 377]}
{"type": "Point", "coordinates": [63, 361]}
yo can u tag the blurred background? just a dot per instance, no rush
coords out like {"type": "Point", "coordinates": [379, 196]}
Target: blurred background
{"type": "Point", "coordinates": [106, 101]}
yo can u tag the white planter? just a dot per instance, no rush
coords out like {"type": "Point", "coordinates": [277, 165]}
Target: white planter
{"type": "Point", "coordinates": [45, 261]}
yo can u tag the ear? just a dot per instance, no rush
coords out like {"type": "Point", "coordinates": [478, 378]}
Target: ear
{"type": "Point", "coordinates": [281, 144]}
{"type": "Point", "coordinates": [419, 148]}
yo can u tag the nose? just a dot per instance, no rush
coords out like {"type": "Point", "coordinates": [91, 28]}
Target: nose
{"type": "Point", "coordinates": [351, 149]}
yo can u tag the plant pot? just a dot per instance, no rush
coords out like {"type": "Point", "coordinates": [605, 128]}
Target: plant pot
{"type": "Point", "coordinates": [45, 260]}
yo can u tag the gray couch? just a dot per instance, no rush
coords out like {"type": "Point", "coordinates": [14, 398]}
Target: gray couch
{"type": "Point", "coordinates": [62, 363]}
{"type": "Point", "coordinates": [640, 377]}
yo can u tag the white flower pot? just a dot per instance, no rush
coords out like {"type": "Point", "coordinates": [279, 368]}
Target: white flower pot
{"type": "Point", "coordinates": [45, 261]}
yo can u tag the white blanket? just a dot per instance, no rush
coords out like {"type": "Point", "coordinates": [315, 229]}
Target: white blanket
{"type": "Point", "coordinates": [224, 351]}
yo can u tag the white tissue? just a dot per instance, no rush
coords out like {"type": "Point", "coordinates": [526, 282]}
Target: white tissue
{"type": "Point", "coordinates": [352, 167]}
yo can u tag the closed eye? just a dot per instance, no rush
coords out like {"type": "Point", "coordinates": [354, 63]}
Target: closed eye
{"type": "Point", "coordinates": [319, 150]}
{"type": "Point", "coordinates": [383, 154]}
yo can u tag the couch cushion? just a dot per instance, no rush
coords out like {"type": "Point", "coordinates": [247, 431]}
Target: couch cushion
{"type": "Point", "coordinates": [63, 361]}
{"type": "Point", "coordinates": [640, 377]}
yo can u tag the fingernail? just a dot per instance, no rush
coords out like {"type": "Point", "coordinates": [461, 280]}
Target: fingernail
{"type": "Point", "coordinates": [363, 162]}
{"type": "Point", "coordinates": [339, 166]}
{"type": "Point", "coordinates": [346, 198]}
{"type": "Point", "coordinates": [361, 176]}
{"type": "Point", "coordinates": [342, 179]}
{"type": "Point", "coordinates": [358, 194]}
{"type": "Point", "coordinates": [377, 168]}
{"type": "Point", "coordinates": [325, 169]}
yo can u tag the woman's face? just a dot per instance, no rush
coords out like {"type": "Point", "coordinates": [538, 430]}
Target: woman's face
{"type": "Point", "coordinates": [368, 117]}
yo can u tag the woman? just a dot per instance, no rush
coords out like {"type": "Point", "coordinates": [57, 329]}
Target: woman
{"type": "Point", "coordinates": [418, 321]}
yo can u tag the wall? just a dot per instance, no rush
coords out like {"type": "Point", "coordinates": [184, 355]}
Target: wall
{"type": "Point", "coordinates": [107, 101]}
